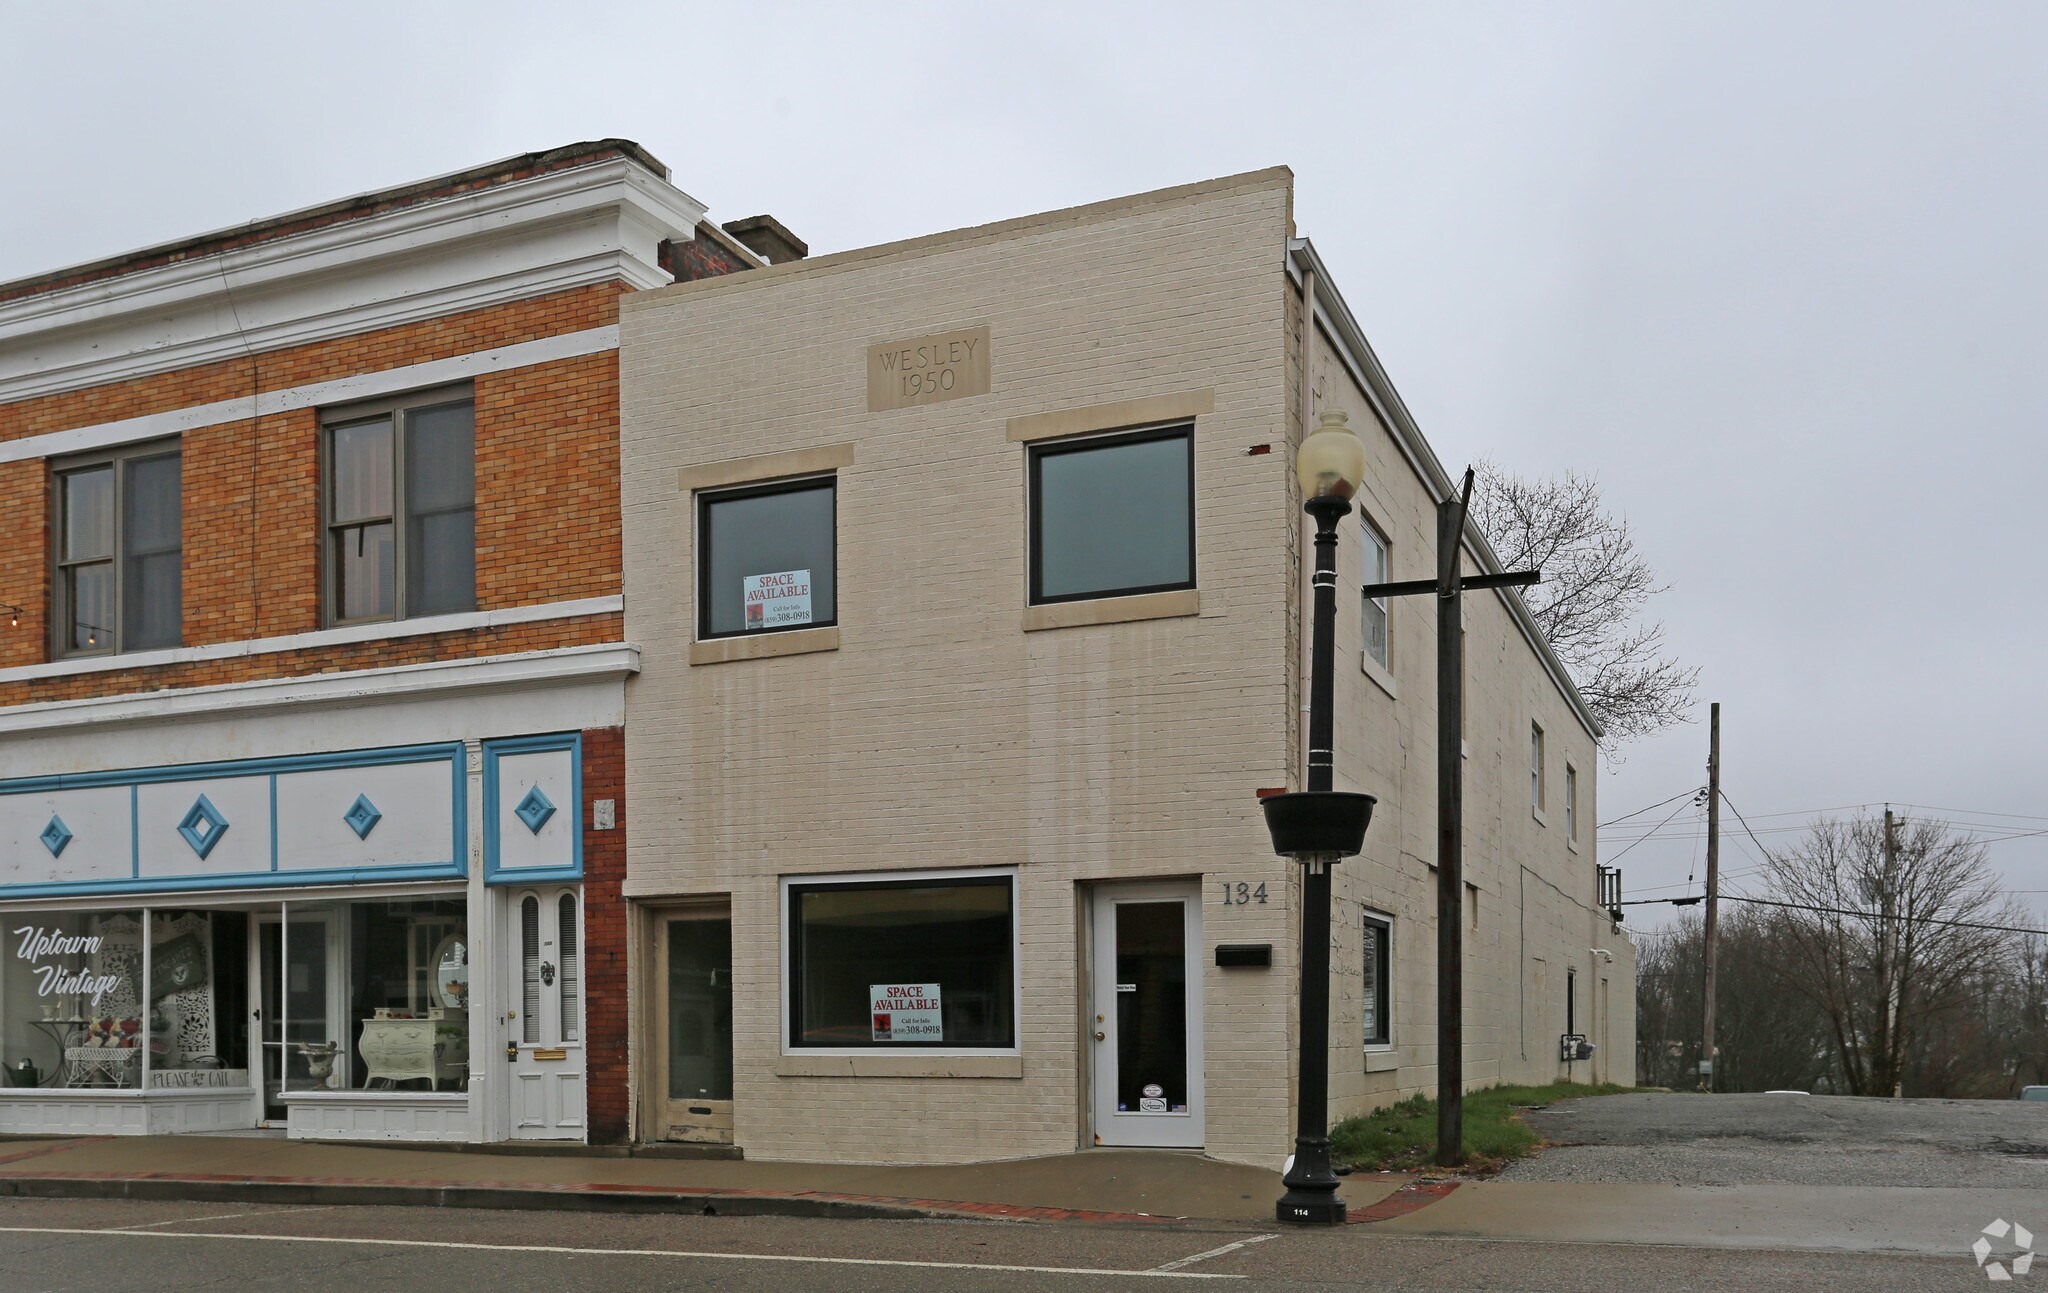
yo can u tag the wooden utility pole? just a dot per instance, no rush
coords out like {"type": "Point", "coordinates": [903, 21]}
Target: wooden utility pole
{"type": "Point", "coordinates": [1447, 588]}
{"type": "Point", "coordinates": [1713, 890]}
{"type": "Point", "coordinates": [1450, 833]}
{"type": "Point", "coordinates": [1888, 953]}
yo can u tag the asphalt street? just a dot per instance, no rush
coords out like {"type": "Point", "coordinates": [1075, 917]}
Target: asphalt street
{"type": "Point", "coordinates": [96, 1246]}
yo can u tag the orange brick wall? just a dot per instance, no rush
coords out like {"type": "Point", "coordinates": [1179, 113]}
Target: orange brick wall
{"type": "Point", "coordinates": [605, 1014]}
{"type": "Point", "coordinates": [547, 498]}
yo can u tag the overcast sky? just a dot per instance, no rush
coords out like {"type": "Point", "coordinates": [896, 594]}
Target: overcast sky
{"type": "Point", "coordinates": [1774, 272]}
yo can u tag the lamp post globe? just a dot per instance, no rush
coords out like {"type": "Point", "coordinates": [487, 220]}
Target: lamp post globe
{"type": "Point", "coordinates": [1331, 460]}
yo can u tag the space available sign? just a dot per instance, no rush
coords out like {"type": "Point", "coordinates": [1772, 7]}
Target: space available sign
{"type": "Point", "coordinates": [777, 600]}
{"type": "Point", "coordinates": [905, 1012]}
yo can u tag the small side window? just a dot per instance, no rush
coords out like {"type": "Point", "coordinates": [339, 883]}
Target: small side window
{"type": "Point", "coordinates": [1375, 608]}
{"type": "Point", "coordinates": [1379, 964]}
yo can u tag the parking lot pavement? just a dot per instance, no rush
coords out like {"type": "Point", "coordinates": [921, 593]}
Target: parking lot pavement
{"type": "Point", "coordinates": [96, 1245]}
{"type": "Point", "coordinates": [1732, 1140]}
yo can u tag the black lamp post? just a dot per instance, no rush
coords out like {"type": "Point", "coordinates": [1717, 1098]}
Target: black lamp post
{"type": "Point", "coordinates": [1319, 826]}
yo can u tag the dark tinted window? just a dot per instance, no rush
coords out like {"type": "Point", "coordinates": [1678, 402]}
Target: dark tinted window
{"type": "Point", "coordinates": [1113, 516]}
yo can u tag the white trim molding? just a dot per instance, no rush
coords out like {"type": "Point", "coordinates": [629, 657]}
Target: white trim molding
{"type": "Point", "coordinates": [597, 223]}
{"type": "Point", "coordinates": [359, 386]}
{"type": "Point", "coordinates": [345, 636]}
{"type": "Point", "coordinates": [435, 679]}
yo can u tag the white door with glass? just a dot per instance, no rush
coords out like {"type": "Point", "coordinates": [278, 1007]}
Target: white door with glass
{"type": "Point", "coordinates": [299, 1008]}
{"type": "Point", "coordinates": [1146, 1022]}
{"type": "Point", "coordinates": [544, 1031]}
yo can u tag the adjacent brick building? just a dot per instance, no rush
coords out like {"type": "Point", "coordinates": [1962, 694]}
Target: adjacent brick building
{"type": "Point", "coordinates": [312, 664]}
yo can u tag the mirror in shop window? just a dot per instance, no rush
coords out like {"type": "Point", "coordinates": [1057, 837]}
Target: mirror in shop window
{"type": "Point", "coordinates": [451, 972]}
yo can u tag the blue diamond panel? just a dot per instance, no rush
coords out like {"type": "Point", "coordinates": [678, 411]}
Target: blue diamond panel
{"type": "Point", "coordinates": [55, 836]}
{"type": "Point", "coordinates": [203, 826]}
{"type": "Point", "coordinates": [362, 817]}
{"type": "Point", "coordinates": [534, 810]}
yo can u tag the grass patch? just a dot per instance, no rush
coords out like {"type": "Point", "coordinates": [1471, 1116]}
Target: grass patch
{"type": "Point", "coordinates": [1402, 1137]}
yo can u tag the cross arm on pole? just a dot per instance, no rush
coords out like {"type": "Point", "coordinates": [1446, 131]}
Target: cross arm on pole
{"type": "Point", "coordinates": [1413, 587]}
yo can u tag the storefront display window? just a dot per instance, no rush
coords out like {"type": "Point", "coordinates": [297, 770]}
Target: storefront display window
{"type": "Point", "coordinates": [83, 1004]}
{"type": "Point", "coordinates": [902, 964]}
{"type": "Point", "coordinates": [368, 995]}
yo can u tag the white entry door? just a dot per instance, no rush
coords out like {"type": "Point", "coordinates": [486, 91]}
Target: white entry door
{"type": "Point", "coordinates": [545, 1051]}
{"type": "Point", "coordinates": [1146, 1023]}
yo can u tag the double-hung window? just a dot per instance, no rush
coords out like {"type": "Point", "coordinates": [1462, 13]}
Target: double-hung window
{"type": "Point", "coordinates": [401, 509]}
{"type": "Point", "coordinates": [1375, 608]}
{"type": "Point", "coordinates": [903, 963]}
{"type": "Point", "coordinates": [1571, 803]}
{"type": "Point", "coordinates": [1536, 767]}
{"type": "Point", "coordinates": [767, 558]}
{"type": "Point", "coordinates": [1379, 968]}
{"type": "Point", "coordinates": [120, 553]}
{"type": "Point", "coordinates": [1113, 515]}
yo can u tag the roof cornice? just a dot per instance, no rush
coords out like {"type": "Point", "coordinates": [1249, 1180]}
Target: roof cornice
{"type": "Point", "coordinates": [600, 222]}
{"type": "Point", "coordinates": [1334, 313]}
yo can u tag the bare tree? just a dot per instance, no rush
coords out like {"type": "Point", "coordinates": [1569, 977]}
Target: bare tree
{"type": "Point", "coordinates": [1769, 1036]}
{"type": "Point", "coordinates": [1900, 954]}
{"type": "Point", "coordinates": [1591, 601]}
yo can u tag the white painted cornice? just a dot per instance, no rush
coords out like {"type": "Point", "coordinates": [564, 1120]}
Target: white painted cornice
{"type": "Point", "coordinates": [602, 222]}
{"type": "Point", "coordinates": [415, 682]}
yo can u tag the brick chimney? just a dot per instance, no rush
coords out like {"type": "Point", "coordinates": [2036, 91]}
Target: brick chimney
{"type": "Point", "coordinates": [766, 237]}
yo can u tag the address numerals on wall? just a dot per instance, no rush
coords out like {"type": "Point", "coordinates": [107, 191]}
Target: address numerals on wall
{"type": "Point", "coordinates": [1242, 894]}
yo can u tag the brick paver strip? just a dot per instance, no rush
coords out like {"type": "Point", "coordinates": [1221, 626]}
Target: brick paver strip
{"type": "Point", "coordinates": [600, 1190]}
{"type": "Point", "coordinates": [53, 1149]}
{"type": "Point", "coordinates": [1412, 1197]}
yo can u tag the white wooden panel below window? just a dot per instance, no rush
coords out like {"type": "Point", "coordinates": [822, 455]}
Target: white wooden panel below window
{"type": "Point", "coordinates": [520, 847]}
{"type": "Point", "coordinates": [414, 816]}
{"type": "Point", "coordinates": [101, 846]}
{"type": "Point", "coordinates": [242, 802]}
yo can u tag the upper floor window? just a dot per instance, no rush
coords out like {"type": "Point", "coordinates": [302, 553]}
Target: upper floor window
{"type": "Point", "coordinates": [1375, 549]}
{"type": "Point", "coordinates": [1571, 802]}
{"type": "Point", "coordinates": [1113, 515]}
{"type": "Point", "coordinates": [767, 558]}
{"type": "Point", "coordinates": [120, 553]}
{"type": "Point", "coordinates": [401, 509]}
{"type": "Point", "coordinates": [1536, 766]}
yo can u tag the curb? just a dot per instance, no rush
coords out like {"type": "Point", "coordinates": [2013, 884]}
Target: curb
{"type": "Point", "coordinates": [167, 1187]}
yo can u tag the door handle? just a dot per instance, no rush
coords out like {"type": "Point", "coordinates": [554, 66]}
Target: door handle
{"type": "Point", "coordinates": [1101, 1036]}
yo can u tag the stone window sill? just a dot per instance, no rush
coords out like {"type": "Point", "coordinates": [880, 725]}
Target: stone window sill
{"type": "Point", "coordinates": [1113, 610]}
{"type": "Point", "coordinates": [793, 642]}
{"type": "Point", "coordinates": [906, 1066]}
{"type": "Point", "coordinates": [1376, 671]}
{"type": "Point", "coordinates": [1382, 1060]}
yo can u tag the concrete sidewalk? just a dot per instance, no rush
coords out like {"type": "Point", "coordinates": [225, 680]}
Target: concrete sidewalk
{"type": "Point", "coordinates": [1096, 1185]}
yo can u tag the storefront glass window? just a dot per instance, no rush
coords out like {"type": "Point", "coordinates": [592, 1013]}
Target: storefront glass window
{"type": "Point", "coordinates": [903, 964]}
{"type": "Point", "coordinates": [408, 986]}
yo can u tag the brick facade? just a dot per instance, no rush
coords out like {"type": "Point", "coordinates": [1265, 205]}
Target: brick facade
{"type": "Point", "coordinates": [605, 1011]}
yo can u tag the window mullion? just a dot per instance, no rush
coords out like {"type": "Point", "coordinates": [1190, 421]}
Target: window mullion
{"type": "Point", "coordinates": [117, 631]}
{"type": "Point", "coordinates": [401, 420]}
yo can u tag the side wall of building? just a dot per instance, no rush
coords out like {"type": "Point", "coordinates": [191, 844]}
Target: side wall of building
{"type": "Point", "coordinates": [1531, 920]}
{"type": "Point", "coordinates": [938, 732]}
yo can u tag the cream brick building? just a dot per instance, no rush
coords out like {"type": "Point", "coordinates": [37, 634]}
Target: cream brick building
{"type": "Point", "coordinates": [945, 762]}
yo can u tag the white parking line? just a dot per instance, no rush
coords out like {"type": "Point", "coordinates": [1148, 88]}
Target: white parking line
{"type": "Point", "coordinates": [1162, 1273]}
{"type": "Point", "coordinates": [1171, 1267]}
{"type": "Point", "coordinates": [223, 1216]}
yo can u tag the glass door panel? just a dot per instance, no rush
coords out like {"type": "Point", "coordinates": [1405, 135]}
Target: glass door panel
{"type": "Point", "coordinates": [1151, 1007]}
{"type": "Point", "coordinates": [295, 1007]}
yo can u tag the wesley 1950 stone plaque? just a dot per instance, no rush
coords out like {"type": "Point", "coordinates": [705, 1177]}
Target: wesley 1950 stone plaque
{"type": "Point", "coordinates": [926, 370]}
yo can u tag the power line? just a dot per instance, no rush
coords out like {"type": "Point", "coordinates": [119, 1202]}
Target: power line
{"type": "Point", "coordinates": [1616, 859]}
{"type": "Point", "coordinates": [1652, 808]}
{"type": "Point", "coordinates": [1864, 915]}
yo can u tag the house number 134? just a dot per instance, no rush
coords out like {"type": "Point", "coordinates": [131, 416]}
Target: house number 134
{"type": "Point", "coordinates": [1241, 893]}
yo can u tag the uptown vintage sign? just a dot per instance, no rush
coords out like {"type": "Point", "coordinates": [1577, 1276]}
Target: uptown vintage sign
{"type": "Point", "coordinates": [38, 944]}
